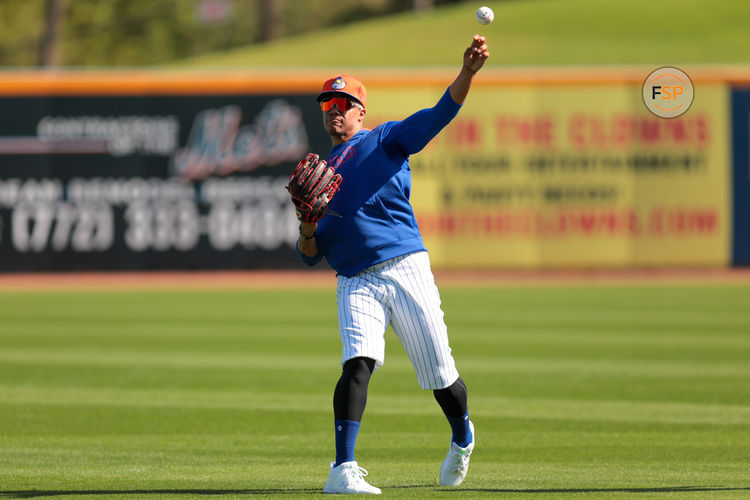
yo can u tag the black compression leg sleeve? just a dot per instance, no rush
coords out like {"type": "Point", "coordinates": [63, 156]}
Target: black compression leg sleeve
{"type": "Point", "coordinates": [350, 396]}
{"type": "Point", "coordinates": [453, 399]}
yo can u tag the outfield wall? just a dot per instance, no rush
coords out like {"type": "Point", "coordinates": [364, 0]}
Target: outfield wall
{"type": "Point", "coordinates": [542, 169]}
{"type": "Point", "coordinates": [741, 177]}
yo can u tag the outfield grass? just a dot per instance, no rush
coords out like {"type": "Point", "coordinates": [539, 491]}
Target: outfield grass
{"type": "Point", "coordinates": [576, 392]}
{"type": "Point", "coordinates": [537, 32]}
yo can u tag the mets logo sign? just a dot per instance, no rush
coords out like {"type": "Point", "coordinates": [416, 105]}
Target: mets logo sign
{"type": "Point", "coordinates": [220, 145]}
{"type": "Point", "coordinates": [338, 84]}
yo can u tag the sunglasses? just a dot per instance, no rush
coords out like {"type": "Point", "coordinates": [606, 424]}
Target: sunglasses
{"type": "Point", "coordinates": [342, 103]}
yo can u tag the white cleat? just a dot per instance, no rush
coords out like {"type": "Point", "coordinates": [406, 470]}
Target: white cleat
{"type": "Point", "coordinates": [349, 478]}
{"type": "Point", "coordinates": [456, 464]}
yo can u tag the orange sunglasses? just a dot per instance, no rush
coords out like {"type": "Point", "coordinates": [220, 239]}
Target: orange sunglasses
{"type": "Point", "coordinates": [342, 103]}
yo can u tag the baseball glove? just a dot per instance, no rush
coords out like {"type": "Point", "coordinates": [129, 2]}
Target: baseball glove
{"type": "Point", "coordinates": [312, 185]}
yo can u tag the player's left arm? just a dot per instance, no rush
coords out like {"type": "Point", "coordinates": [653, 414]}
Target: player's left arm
{"type": "Point", "coordinates": [307, 244]}
{"type": "Point", "coordinates": [412, 134]}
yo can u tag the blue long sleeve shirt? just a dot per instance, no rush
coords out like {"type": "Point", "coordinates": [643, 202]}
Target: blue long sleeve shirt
{"type": "Point", "coordinates": [377, 221]}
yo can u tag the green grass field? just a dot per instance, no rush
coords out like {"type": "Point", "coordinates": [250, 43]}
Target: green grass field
{"type": "Point", "coordinates": [576, 392]}
{"type": "Point", "coordinates": [536, 32]}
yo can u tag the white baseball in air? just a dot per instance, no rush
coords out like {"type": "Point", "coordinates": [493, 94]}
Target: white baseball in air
{"type": "Point", "coordinates": [485, 15]}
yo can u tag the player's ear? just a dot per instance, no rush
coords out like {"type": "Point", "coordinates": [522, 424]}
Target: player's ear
{"type": "Point", "coordinates": [362, 113]}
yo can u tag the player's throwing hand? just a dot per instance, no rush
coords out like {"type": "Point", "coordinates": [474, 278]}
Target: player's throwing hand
{"type": "Point", "coordinates": [476, 54]}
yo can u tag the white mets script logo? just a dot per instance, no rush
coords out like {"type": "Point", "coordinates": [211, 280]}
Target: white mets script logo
{"type": "Point", "coordinates": [338, 84]}
{"type": "Point", "coordinates": [218, 145]}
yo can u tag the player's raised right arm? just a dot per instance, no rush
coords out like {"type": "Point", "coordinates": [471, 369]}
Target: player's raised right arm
{"type": "Point", "coordinates": [474, 57]}
{"type": "Point", "coordinates": [412, 134]}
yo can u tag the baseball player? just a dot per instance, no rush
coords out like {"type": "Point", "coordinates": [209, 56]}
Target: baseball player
{"type": "Point", "coordinates": [384, 276]}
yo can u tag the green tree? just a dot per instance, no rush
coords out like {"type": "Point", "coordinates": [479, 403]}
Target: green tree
{"type": "Point", "coordinates": [147, 32]}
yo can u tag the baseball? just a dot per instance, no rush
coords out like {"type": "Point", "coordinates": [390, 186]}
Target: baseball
{"type": "Point", "coordinates": [485, 15]}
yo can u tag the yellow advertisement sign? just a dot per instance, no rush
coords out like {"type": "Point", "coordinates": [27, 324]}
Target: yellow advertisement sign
{"type": "Point", "coordinates": [565, 175]}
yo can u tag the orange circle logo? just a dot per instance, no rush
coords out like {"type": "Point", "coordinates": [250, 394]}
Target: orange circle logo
{"type": "Point", "coordinates": [668, 92]}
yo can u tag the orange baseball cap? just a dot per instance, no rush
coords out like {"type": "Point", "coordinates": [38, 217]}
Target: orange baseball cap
{"type": "Point", "coordinates": [347, 85]}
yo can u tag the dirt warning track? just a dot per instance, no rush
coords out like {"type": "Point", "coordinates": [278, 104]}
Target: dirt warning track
{"type": "Point", "coordinates": [273, 279]}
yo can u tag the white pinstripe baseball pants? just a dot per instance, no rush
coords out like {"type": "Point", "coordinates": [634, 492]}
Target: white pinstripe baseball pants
{"type": "Point", "coordinates": [400, 292]}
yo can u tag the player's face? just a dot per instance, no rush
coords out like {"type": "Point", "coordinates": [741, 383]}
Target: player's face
{"type": "Point", "coordinates": [342, 118]}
